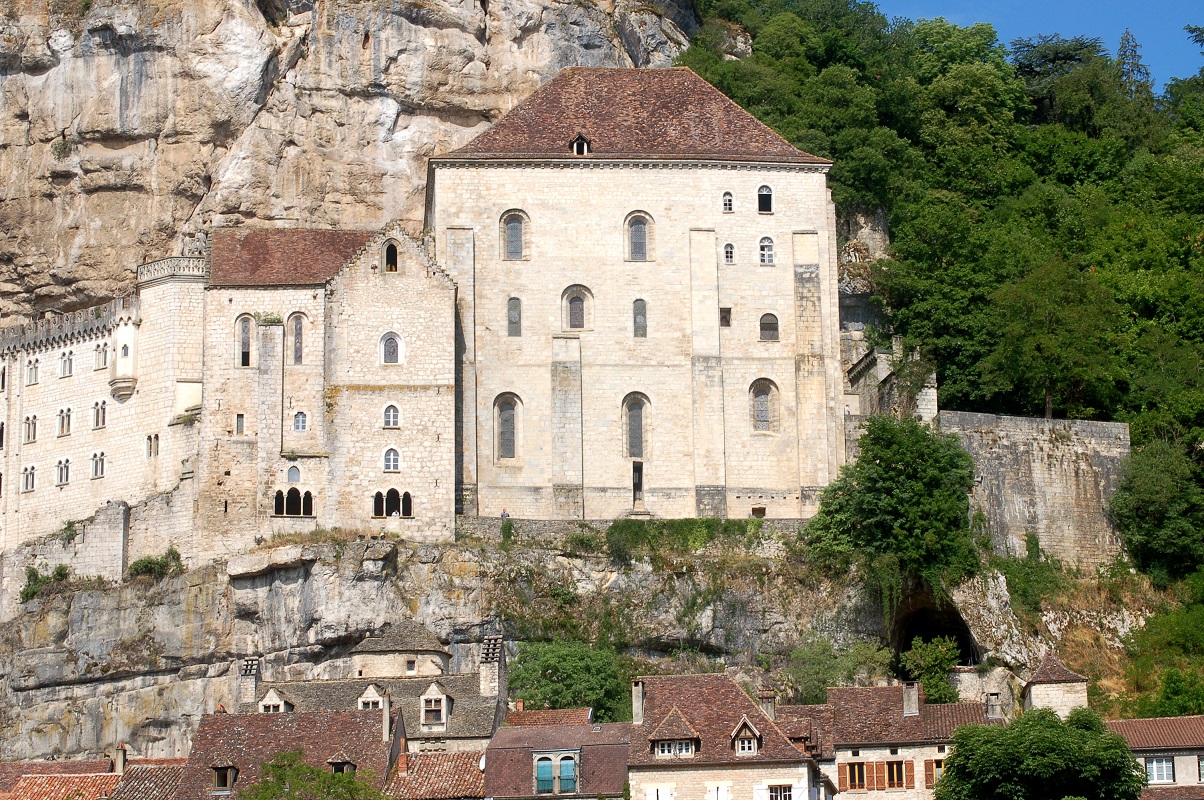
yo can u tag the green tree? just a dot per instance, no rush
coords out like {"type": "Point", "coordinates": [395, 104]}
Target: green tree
{"type": "Point", "coordinates": [817, 663]}
{"type": "Point", "coordinates": [1040, 757]}
{"type": "Point", "coordinates": [1180, 693]}
{"type": "Point", "coordinates": [930, 663]}
{"type": "Point", "coordinates": [288, 777]}
{"type": "Point", "coordinates": [571, 675]}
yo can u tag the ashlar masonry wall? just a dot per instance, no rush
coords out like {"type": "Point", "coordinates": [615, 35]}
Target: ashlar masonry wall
{"type": "Point", "coordinates": [726, 781]}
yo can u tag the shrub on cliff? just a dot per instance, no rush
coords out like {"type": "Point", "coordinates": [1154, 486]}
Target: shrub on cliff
{"type": "Point", "coordinates": [168, 565]}
{"type": "Point", "coordinates": [568, 674]}
{"type": "Point", "coordinates": [930, 663]}
{"type": "Point", "coordinates": [36, 582]}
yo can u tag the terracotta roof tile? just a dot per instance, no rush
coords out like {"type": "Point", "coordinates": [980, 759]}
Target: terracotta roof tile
{"type": "Point", "coordinates": [280, 256]}
{"type": "Point", "coordinates": [809, 727]}
{"type": "Point", "coordinates": [1054, 671]}
{"type": "Point", "coordinates": [11, 771]}
{"type": "Point", "coordinates": [711, 705]}
{"type": "Point", "coordinates": [1161, 732]}
{"type": "Point", "coordinates": [65, 787]}
{"type": "Point", "coordinates": [438, 776]}
{"type": "Point", "coordinates": [632, 114]}
{"type": "Point", "coordinates": [147, 782]}
{"type": "Point", "coordinates": [673, 726]}
{"type": "Point", "coordinates": [874, 715]}
{"type": "Point", "coordinates": [509, 760]}
{"type": "Point", "coordinates": [1173, 793]}
{"type": "Point", "coordinates": [550, 716]}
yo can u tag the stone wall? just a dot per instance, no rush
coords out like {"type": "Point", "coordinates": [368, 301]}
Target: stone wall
{"type": "Point", "coordinates": [1048, 477]}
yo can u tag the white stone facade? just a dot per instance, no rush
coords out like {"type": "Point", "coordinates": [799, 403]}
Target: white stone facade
{"type": "Point", "coordinates": [751, 781]}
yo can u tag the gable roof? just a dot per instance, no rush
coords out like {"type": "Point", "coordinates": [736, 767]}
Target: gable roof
{"type": "Point", "coordinates": [550, 716]}
{"type": "Point", "coordinates": [809, 727]}
{"type": "Point", "coordinates": [147, 782]}
{"type": "Point", "coordinates": [659, 113]}
{"type": "Point", "coordinates": [438, 776]}
{"type": "Point", "coordinates": [402, 636]}
{"type": "Point", "coordinates": [864, 715]}
{"type": "Point", "coordinates": [712, 706]}
{"type": "Point", "coordinates": [64, 787]}
{"type": "Point", "coordinates": [509, 758]}
{"type": "Point", "coordinates": [1053, 670]}
{"type": "Point", "coordinates": [11, 771]}
{"type": "Point", "coordinates": [673, 726]}
{"type": "Point", "coordinates": [1161, 732]}
{"type": "Point", "coordinates": [245, 741]}
{"type": "Point", "coordinates": [244, 257]}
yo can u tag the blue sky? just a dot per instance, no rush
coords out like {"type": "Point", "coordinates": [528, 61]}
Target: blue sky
{"type": "Point", "coordinates": [1157, 24]}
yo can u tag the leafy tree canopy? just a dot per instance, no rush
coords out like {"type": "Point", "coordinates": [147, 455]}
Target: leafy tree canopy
{"type": "Point", "coordinates": [569, 674]}
{"type": "Point", "coordinates": [817, 663]}
{"type": "Point", "coordinates": [930, 663]}
{"type": "Point", "coordinates": [288, 777]}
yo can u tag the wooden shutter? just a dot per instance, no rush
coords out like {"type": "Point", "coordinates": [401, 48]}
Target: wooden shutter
{"type": "Point", "coordinates": [880, 767]}
{"type": "Point", "coordinates": [909, 774]}
{"type": "Point", "coordinates": [929, 773]}
{"type": "Point", "coordinates": [842, 777]}
{"type": "Point", "coordinates": [871, 776]}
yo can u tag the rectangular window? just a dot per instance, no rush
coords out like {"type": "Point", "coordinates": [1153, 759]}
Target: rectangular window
{"type": "Point", "coordinates": [780, 793]}
{"type": "Point", "coordinates": [664, 748]}
{"type": "Point", "coordinates": [411, 664]}
{"type": "Point", "coordinates": [1160, 770]}
{"type": "Point", "coordinates": [432, 711]}
{"type": "Point", "coordinates": [370, 705]}
{"type": "Point", "coordinates": [857, 775]}
{"type": "Point", "coordinates": [725, 318]}
{"type": "Point", "coordinates": [746, 745]}
{"type": "Point", "coordinates": [514, 317]}
{"type": "Point", "coordinates": [223, 779]}
{"type": "Point", "coordinates": [938, 769]}
{"type": "Point", "coordinates": [894, 774]}
{"type": "Point", "coordinates": [239, 424]}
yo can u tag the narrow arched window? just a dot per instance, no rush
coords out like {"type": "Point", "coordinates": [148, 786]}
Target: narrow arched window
{"type": "Point", "coordinates": [156, 440]}
{"type": "Point", "coordinates": [299, 421]}
{"type": "Point", "coordinates": [278, 506]}
{"type": "Point", "coordinates": [150, 450]}
{"type": "Point", "coordinates": [63, 476]}
{"type": "Point", "coordinates": [1, 434]}
{"type": "Point", "coordinates": [568, 775]}
{"type": "Point", "coordinates": [763, 400]}
{"type": "Point", "coordinates": [392, 417]}
{"type": "Point", "coordinates": [765, 200]}
{"type": "Point", "coordinates": [728, 203]}
{"type": "Point", "coordinates": [378, 504]}
{"type": "Point", "coordinates": [769, 328]}
{"type": "Point", "coordinates": [729, 254]}
{"type": "Point", "coordinates": [292, 503]}
{"type": "Point", "coordinates": [514, 317]}
{"type": "Point", "coordinates": [392, 460]}
{"type": "Point", "coordinates": [125, 352]}
{"type": "Point", "coordinates": [391, 257]}
{"type": "Point", "coordinates": [67, 364]}
{"type": "Point", "coordinates": [407, 505]}
{"type": "Point", "coordinates": [634, 407]}
{"type": "Point", "coordinates": [639, 319]}
{"type": "Point", "coordinates": [766, 250]}
{"type": "Point", "coordinates": [514, 237]}
{"type": "Point", "coordinates": [244, 342]}
{"type": "Point", "coordinates": [506, 412]}
{"type": "Point", "coordinates": [98, 465]}
{"type": "Point", "coordinates": [307, 505]}
{"type": "Point", "coordinates": [298, 339]}
{"type": "Point", "coordinates": [294, 475]}
{"type": "Point", "coordinates": [390, 349]}
{"type": "Point", "coordinates": [576, 312]}
{"type": "Point", "coordinates": [637, 230]}
{"type": "Point", "coordinates": [393, 503]}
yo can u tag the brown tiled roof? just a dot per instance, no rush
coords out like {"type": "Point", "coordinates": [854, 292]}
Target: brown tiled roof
{"type": "Point", "coordinates": [64, 787]}
{"type": "Point", "coordinates": [438, 776]}
{"type": "Point", "coordinates": [712, 706]}
{"type": "Point", "coordinates": [1173, 793]}
{"type": "Point", "coordinates": [1161, 732]}
{"type": "Point", "coordinates": [11, 771]}
{"type": "Point", "coordinates": [245, 741]}
{"type": "Point", "coordinates": [280, 256]}
{"type": "Point", "coordinates": [632, 114]}
{"type": "Point", "coordinates": [809, 727]}
{"type": "Point", "coordinates": [1054, 671]}
{"type": "Point", "coordinates": [402, 636]}
{"type": "Point", "coordinates": [145, 782]}
{"type": "Point", "coordinates": [550, 716]}
{"type": "Point", "coordinates": [673, 726]}
{"type": "Point", "coordinates": [874, 715]}
{"type": "Point", "coordinates": [509, 760]}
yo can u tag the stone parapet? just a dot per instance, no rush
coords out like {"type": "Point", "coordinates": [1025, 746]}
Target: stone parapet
{"type": "Point", "coordinates": [178, 267]}
{"type": "Point", "coordinates": [55, 329]}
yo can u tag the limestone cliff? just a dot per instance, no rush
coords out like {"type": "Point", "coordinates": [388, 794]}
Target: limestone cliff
{"type": "Point", "coordinates": [126, 125]}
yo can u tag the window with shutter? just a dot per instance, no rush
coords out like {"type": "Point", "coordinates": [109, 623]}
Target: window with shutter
{"type": "Point", "coordinates": [909, 774]}
{"type": "Point", "coordinates": [842, 777]}
{"type": "Point", "coordinates": [929, 774]}
{"type": "Point", "coordinates": [894, 774]}
{"type": "Point", "coordinates": [880, 774]}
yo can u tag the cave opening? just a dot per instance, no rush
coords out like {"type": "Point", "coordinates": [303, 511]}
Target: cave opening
{"type": "Point", "coordinates": [920, 615]}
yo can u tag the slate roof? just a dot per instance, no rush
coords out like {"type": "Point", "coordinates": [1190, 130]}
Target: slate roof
{"type": "Point", "coordinates": [438, 776]}
{"type": "Point", "coordinates": [550, 716]}
{"type": "Point", "coordinates": [280, 256]}
{"type": "Point", "coordinates": [712, 706]}
{"type": "Point", "coordinates": [148, 782]}
{"type": "Point", "coordinates": [509, 759]}
{"type": "Point", "coordinates": [245, 741]}
{"type": "Point", "coordinates": [11, 771]}
{"type": "Point", "coordinates": [471, 716]}
{"type": "Point", "coordinates": [1161, 733]}
{"type": "Point", "coordinates": [1054, 671]}
{"type": "Point", "coordinates": [64, 787]}
{"type": "Point", "coordinates": [659, 113]}
{"type": "Point", "coordinates": [402, 636]}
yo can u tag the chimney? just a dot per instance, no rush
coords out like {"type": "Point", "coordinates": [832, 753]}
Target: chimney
{"type": "Point", "coordinates": [768, 700]}
{"type": "Point", "coordinates": [119, 757]}
{"type": "Point", "coordinates": [492, 656]}
{"type": "Point", "coordinates": [384, 718]}
{"type": "Point", "coordinates": [248, 681]}
{"type": "Point", "coordinates": [911, 699]}
{"type": "Point", "coordinates": [637, 702]}
{"type": "Point", "coordinates": [518, 704]}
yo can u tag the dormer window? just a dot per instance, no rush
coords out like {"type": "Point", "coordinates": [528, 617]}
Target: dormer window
{"type": "Point", "coordinates": [675, 748]}
{"type": "Point", "coordinates": [223, 779]}
{"type": "Point", "coordinates": [343, 768]}
{"type": "Point", "coordinates": [432, 711]}
{"type": "Point", "coordinates": [580, 145]}
{"type": "Point", "coordinates": [746, 746]}
{"type": "Point", "coordinates": [271, 708]}
{"type": "Point", "coordinates": [369, 705]}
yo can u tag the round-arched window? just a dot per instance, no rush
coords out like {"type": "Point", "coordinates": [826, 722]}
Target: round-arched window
{"type": "Point", "coordinates": [294, 475]}
{"type": "Point", "coordinates": [765, 200]}
{"type": "Point", "coordinates": [392, 460]}
{"type": "Point", "coordinates": [392, 417]}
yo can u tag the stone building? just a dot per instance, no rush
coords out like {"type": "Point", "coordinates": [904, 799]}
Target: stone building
{"type": "Point", "coordinates": [1171, 750]}
{"type": "Point", "coordinates": [1056, 687]}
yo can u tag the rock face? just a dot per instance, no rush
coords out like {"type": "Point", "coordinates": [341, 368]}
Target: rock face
{"type": "Point", "coordinates": [144, 121]}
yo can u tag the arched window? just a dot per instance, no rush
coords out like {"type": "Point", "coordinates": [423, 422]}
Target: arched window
{"type": "Point", "coordinates": [125, 352]}
{"type": "Point", "coordinates": [28, 479]}
{"type": "Point", "coordinates": [31, 428]}
{"type": "Point", "coordinates": [390, 349]}
{"type": "Point", "coordinates": [66, 364]}
{"type": "Point", "coordinates": [513, 224]}
{"type": "Point", "coordinates": [307, 505]}
{"type": "Point", "coordinates": [639, 319]}
{"type": "Point", "coordinates": [3, 378]}
{"type": "Point", "coordinates": [407, 505]}
{"type": "Point", "coordinates": [635, 425]}
{"type": "Point", "coordinates": [729, 254]}
{"type": "Point", "coordinates": [766, 250]}
{"type": "Point", "coordinates": [1, 434]}
{"type": "Point", "coordinates": [244, 342]}
{"type": "Point", "coordinates": [292, 503]}
{"type": "Point", "coordinates": [728, 204]}
{"type": "Point", "coordinates": [392, 417]}
{"type": "Point", "coordinates": [392, 503]}
{"type": "Point", "coordinates": [577, 308]}
{"type": "Point", "coordinates": [150, 450]}
{"type": "Point", "coordinates": [378, 505]}
{"type": "Point", "coordinates": [31, 371]}
{"type": "Point", "coordinates": [580, 145]}
{"type": "Point", "coordinates": [278, 506]}
{"type": "Point", "coordinates": [156, 443]}
{"type": "Point", "coordinates": [298, 338]}
{"type": "Point", "coordinates": [64, 422]}
{"type": "Point", "coordinates": [294, 475]}
{"type": "Point", "coordinates": [577, 312]}
{"type": "Point", "coordinates": [514, 317]}
{"type": "Point", "coordinates": [765, 200]}
{"type": "Point", "coordinates": [299, 421]}
{"type": "Point", "coordinates": [98, 414]}
{"type": "Point", "coordinates": [98, 465]}
{"type": "Point", "coordinates": [392, 460]}
{"type": "Point", "coordinates": [769, 328]}
{"type": "Point", "coordinates": [507, 426]}
{"type": "Point", "coordinates": [543, 776]}
{"type": "Point", "coordinates": [637, 236]}
{"type": "Point", "coordinates": [63, 472]}
{"type": "Point", "coordinates": [99, 357]}
{"type": "Point", "coordinates": [391, 256]}
{"type": "Point", "coordinates": [568, 775]}
{"type": "Point", "coordinates": [763, 405]}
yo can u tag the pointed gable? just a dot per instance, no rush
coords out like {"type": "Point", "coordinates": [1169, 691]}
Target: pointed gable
{"type": "Point", "coordinates": [632, 114]}
{"type": "Point", "coordinates": [673, 727]}
{"type": "Point", "coordinates": [1052, 670]}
